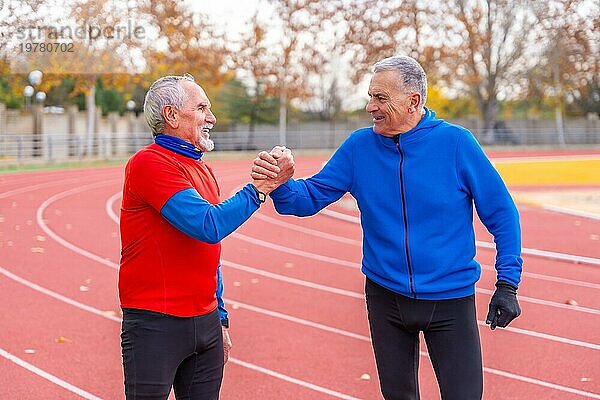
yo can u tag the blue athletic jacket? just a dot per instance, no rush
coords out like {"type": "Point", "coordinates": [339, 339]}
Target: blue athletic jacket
{"type": "Point", "coordinates": [415, 193]}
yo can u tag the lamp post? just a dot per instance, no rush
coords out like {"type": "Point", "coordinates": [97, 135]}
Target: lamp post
{"type": "Point", "coordinates": [35, 78]}
{"type": "Point", "coordinates": [28, 92]}
{"type": "Point", "coordinates": [130, 105]}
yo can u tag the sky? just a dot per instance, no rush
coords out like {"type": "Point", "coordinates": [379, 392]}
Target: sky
{"type": "Point", "coordinates": [230, 14]}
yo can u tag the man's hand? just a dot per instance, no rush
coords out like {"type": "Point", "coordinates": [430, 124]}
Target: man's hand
{"type": "Point", "coordinates": [265, 166]}
{"type": "Point", "coordinates": [504, 306]}
{"type": "Point", "coordinates": [272, 169]}
{"type": "Point", "coordinates": [285, 162]}
{"type": "Point", "coordinates": [226, 343]}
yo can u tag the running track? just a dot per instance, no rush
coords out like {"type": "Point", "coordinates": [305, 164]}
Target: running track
{"type": "Point", "coordinates": [294, 292]}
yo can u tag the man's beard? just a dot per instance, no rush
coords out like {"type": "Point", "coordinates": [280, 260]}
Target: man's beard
{"type": "Point", "coordinates": [204, 142]}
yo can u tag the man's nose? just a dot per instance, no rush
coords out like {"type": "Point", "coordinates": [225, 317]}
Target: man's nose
{"type": "Point", "coordinates": [370, 106]}
{"type": "Point", "coordinates": [210, 117]}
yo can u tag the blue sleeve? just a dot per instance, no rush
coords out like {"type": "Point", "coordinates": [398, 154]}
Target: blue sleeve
{"type": "Point", "coordinates": [191, 214]}
{"type": "Point", "coordinates": [494, 205]}
{"type": "Point", "coordinates": [303, 197]}
{"type": "Point", "coordinates": [223, 314]}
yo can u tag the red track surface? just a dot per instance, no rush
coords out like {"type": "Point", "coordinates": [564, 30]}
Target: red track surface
{"type": "Point", "coordinates": [298, 318]}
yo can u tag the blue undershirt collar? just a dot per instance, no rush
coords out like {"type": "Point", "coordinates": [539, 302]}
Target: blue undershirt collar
{"type": "Point", "coordinates": [177, 145]}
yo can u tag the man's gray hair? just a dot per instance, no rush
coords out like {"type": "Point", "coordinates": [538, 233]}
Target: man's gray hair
{"type": "Point", "coordinates": [166, 91]}
{"type": "Point", "coordinates": [412, 75]}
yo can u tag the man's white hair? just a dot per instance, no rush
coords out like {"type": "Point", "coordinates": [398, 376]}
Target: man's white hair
{"type": "Point", "coordinates": [166, 91]}
{"type": "Point", "coordinates": [412, 75]}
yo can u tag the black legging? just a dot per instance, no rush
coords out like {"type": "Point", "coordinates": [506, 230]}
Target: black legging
{"type": "Point", "coordinates": [160, 351]}
{"type": "Point", "coordinates": [451, 334]}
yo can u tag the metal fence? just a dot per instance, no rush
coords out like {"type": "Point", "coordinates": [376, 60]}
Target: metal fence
{"type": "Point", "coordinates": [32, 148]}
{"type": "Point", "coordinates": [49, 148]}
{"type": "Point", "coordinates": [21, 149]}
{"type": "Point", "coordinates": [537, 137]}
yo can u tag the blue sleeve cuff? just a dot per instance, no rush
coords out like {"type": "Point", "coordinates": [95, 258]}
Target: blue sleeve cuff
{"type": "Point", "coordinates": [223, 314]}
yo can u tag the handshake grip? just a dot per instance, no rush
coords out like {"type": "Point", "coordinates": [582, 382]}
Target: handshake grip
{"type": "Point", "coordinates": [271, 169]}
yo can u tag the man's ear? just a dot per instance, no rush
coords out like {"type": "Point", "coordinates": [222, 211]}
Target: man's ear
{"type": "Point", "coordinates": [170, 116]}
{"type": "Point", "coordinates": [415, 100]}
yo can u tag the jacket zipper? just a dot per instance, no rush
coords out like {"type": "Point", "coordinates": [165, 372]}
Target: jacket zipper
{"type": "Point", "coordinates": [410, 271]}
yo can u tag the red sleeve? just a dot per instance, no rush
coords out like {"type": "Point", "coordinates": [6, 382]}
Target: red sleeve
{"type": "Point", "coordinates": [154, 178]}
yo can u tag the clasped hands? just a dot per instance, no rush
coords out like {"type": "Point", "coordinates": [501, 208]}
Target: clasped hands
{"type": "Point", "coordinates": [271, 169]}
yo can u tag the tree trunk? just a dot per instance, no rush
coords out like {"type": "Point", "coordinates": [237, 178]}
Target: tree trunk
{"type": "Point", "coordinates": [282, 115]}
{"type": "Point", "coordinates": [558, 110]}
{"type": "Point", "coordinates": [489, 109]}
{"type": "Point", "coordinates": [252, 125]}
{"type": "Point", "coordinates": [90, 104]}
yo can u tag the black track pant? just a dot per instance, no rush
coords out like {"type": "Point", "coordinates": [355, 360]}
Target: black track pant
{"type": "Point", "coordinates": [450, 331]}
{"type": "Point", "coordinates": [162, 351]}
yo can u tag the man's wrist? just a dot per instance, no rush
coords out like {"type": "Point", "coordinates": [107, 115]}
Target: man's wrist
{"type": "Point", "coordinates": [262, 197]}
{"type": "Point", "coordinates": [506, 285]}
{"type": "Point", "coordinates": [225, 322]}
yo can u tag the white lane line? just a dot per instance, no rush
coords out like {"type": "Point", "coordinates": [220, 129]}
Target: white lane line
{"type": "Point", "coordinates": [309, 231]}
{"type": "Point", "coordinates": [98, 312]}
{"type": "Point", "coordinates": [547, 254]}
{"type": "Point", "coordinates": [48, 376]}
{"type": "Point", "coordinates": [570, 211]}
{"type": "Point", "coordinates": [314, 232]}
{"type": "Point", "coordinates": [292, 380]}
{"type": "Point", "coordinates": [59, 239]}
{"type": "Point", "coordinates": [551, 278]}
{"type": "Point", "coordinates": [487, 245]}
{"type": "Point", "coordinates": [297, 320]}
{"type": "Point", "coordinates": [35, 187]}
{"type": "Point", "coordinates": [108, 206]}
{"type": "Point", "coordinates": [293, 281]}
{"type": "Point", "coordinates": [548, 303]}
{"type": "Point", "coordinates": [292, 319]}
{"type": "Point", "coordinates": [57, 296]}
{"type": "Point", "coordinates": [300, 253]}
{"type": "Point", "coordinates": [534, 381]}
{"type": "Point", "coordinates": [546, 158]}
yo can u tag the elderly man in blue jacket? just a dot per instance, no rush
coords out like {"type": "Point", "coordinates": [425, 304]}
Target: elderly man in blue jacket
{"type": "Point", "coordinates": [416, 178]}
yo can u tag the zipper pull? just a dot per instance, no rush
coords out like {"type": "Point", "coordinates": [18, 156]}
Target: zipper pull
{"type": "Point", "coordinates": [397, 138]}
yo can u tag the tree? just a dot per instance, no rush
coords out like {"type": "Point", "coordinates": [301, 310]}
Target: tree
{"type": "Point", "coordinates": [570, 67]}
{"type": "Point", "coordinates": [377, 29]}
{"type": "Point", "coordinates": [257, 64]}
{"type": "Point", "coordinates": [297, 55]}
{"type": "Point", "coordinates": [489, 53]}
{"type": "Point", "coordinates": [16, 18]}
{"type": "Point", "coordinates": [186, 43]}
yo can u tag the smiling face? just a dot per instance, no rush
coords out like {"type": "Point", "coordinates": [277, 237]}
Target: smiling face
{"type": "Point", "coordinates": [195, 120]}
{"type": "Point", "coordinates": [392, 108]}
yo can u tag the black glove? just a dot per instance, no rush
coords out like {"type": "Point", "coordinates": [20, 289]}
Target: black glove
{"type": "Point", "coordinates": [504, 306]}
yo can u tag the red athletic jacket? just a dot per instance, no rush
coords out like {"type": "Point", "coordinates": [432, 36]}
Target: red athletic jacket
{"type": "Point", "coordinates": [162, 268]}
